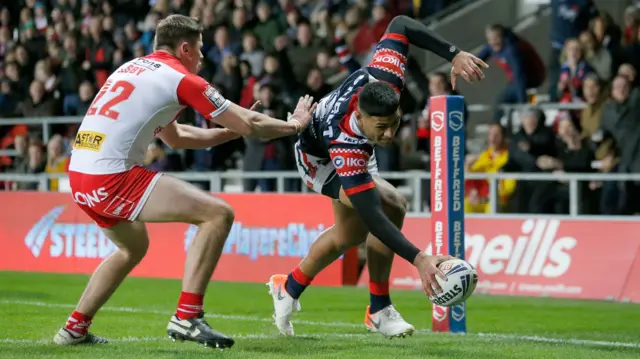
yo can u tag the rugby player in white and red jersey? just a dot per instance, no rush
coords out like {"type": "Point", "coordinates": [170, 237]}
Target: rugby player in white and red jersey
{"type": "Point", "coordinates": [335, 157]}
{"type": "Point", "coordinates": [139, 101]}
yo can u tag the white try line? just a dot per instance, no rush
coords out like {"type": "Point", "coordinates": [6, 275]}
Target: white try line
{"type": "Point", "coordinates": [487, 336]}
{"type": "Point", "coordinates": [158, 339]}
{"type": "Point", "coordinates": [164, 312]}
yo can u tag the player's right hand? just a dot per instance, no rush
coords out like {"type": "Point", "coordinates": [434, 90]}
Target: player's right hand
{"type": "Point", "coordinates": [303, 112]}
{"type": "Point", "coordinates": [468, 66]}
{"type": "Point", "coordinates": [428, 268]}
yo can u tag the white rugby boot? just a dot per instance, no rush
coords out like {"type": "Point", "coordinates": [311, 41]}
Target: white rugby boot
{"type": "Point", "coordinates": [68, 337]}
{"type": "Point", "coordinates": [283, 304]}
{"type": "Point", "coordinates": [387, 322]}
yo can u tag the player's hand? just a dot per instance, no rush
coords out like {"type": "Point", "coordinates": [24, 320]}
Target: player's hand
{"type": "Point", "coordinates": [468, 66]}
{"type": "Point", "coordinates": [303, 112]}
{"type": "Point", "coordinates": [428, 268]}
{"type": "Point", "coordinates": [255, 106]}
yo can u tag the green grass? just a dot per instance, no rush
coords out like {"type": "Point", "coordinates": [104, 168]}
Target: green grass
{"type": "Point", "coordinates": [34, 306]}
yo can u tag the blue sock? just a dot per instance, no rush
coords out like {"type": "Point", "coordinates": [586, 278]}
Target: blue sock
{"type": "Point", "coordinates": [294, 286]}
{"type": "Point", "coordinates": [379, 296]}
{"type": "Point", "coordinates": [378, 302]}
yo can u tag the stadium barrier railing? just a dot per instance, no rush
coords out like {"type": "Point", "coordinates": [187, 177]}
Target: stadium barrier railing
{"type": "Point", "coordinates": [510, 109]}
{"type": "Point", "coordinates": [414, 181]}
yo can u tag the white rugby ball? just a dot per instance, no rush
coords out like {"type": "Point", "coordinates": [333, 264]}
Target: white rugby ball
{"type": "Point", "coordinates": [460, 284]}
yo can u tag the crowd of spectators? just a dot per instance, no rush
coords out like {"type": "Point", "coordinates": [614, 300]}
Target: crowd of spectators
{"type": "Point", "coordinates": [55, 55]}
{"type": "Point", "coordinates": [594, 63]}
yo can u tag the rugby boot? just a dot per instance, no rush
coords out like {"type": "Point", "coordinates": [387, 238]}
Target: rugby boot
{"type": "Point", "coordinates": [387, 322]}
{"type": "Point", "coordinates": [68, 337]}
{"type": "Point", "coordinates": [197, 330]}
{"type": "Point", "coordinates": [283, 304]}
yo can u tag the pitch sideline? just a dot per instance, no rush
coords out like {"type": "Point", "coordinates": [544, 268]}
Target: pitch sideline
{"type": "Point", "coordinates": [487, 336]}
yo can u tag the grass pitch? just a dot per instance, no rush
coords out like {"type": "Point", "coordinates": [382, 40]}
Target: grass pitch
{"type": "Point", "coordinates": [34, 306]}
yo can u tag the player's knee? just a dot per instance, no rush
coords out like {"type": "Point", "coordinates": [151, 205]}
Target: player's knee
{"type": "Point", "coordinates": [347, 238]}
{"type": "Point", "coordinates": [136, 252]}
{"type": "Point", "coordinates": [222, 213]}
{"type": "Point", "coordinates": [395, 204]}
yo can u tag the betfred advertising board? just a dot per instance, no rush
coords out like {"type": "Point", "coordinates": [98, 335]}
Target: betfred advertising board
{"type": "Point", "coordinates": [47, 232]}
{"type": "Point", "coordinates": [572, 258]}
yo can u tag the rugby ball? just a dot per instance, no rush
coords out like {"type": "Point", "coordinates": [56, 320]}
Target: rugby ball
{"type": "Point", "coordinates": [460, 284]}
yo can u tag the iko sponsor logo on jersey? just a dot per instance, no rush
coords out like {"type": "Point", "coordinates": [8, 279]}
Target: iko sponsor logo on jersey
{"type": "Point", "coordinates": [389, 61]}
{"type": "Point", "coordinates": [338, 162]}
{"type": "Point", "coordinates": [90, 199]}
{"type": "Point", "coordinates": [70, 240]}
{"type": "Point", "coordinates": [293, 240]}
{"type": "Point", "coordinates": [89, 140]}
{"type": "Point", "coordinates": [351, 161]}
{"type": "Point", "coordinates": [214, 96]}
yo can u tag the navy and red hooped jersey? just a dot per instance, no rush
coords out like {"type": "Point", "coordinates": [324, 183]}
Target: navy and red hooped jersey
{"type": "Point", "coordinates": [334, 133]}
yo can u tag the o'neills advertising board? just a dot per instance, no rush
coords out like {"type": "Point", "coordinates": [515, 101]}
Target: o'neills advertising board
{"type": "Point", "coordinates": [573, 258]}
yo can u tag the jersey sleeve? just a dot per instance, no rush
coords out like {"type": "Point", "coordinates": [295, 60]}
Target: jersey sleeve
{"type": "Point", "coordinates": [352, 166]}
{"type": "Point", "coordinates": [194, 91]}
{"type": "Point", "coordinates": [390, 59]}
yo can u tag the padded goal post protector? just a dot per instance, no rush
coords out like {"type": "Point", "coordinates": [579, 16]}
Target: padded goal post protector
{"type": "Point", "coordinates": [447, 196]}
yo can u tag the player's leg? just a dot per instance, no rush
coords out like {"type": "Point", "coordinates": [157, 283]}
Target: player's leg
{"type": "Point", "coordinates": [381, 316]}
{"type": "Point", "coordinates": [132, 241]}
{"type": "Point", "coordinates": [348, 231]}
{"type": "Point", "coordinates": [174, 200]}
{"type": "Point", "coordinates": [379, 256]}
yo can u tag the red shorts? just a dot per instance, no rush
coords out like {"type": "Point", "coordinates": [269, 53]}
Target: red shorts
{"type": "Point", "coordinates": [111, 198]}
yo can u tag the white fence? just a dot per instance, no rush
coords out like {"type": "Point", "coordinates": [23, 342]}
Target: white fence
{"type": "Point", "coordinates": [413, 187]}
{"type": "Point", "coordinates": [511, 120]}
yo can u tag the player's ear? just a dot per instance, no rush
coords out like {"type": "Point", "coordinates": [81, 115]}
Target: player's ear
{"type": "Point", "coordinates": [183, 48]}
{"type": "Point", "coordinates": [358, 115]}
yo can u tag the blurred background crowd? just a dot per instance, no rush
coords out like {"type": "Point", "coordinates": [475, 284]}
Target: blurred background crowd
{"type": "Point", "coordinates": [55, 55]}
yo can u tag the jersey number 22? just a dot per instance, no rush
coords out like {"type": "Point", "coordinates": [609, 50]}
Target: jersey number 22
{"type": "Point", "coordinates": [124, 90]}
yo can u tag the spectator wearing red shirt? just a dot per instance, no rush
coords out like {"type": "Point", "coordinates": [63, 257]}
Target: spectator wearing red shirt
{"type": "Point", "coordinates": [99, 53]}
{"type": "Point", "coordinates": [371, 31]}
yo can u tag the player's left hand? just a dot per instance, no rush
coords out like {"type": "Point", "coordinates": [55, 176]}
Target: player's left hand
{"type": "Point", "coordinates": [303, 112]}
{"type": "Point", "coordinates": [468, 66]}
{"type": "Point", "coordinates": [428, 268]}
{"type": "Point", "coordinates": [255, 106]}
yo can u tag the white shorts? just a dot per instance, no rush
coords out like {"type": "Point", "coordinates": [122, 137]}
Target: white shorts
{"type": "Point", "coordinates": [319, 173]}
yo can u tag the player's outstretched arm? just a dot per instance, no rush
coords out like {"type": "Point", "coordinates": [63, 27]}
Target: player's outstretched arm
{"type": "Point", "coordinates": [195, 92]}
{"type": "Point", "coordinates": [189, 137]}
{"type": "Point", "coordinates": [416, 33]}
{"type": "Point", "coordinates": [369, 206]}
{"type": "Point", "coordinates": [255, 124]}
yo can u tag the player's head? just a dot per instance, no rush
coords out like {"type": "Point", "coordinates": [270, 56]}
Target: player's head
{"type": "Point", "coordinates": [182, 36]}
{"type": "Point", "coordinates": [378, 112]}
